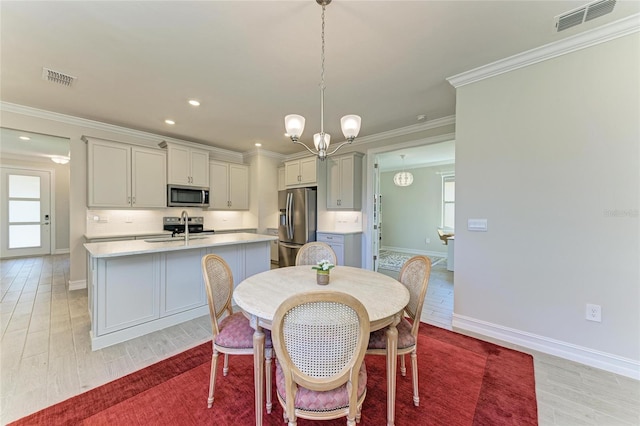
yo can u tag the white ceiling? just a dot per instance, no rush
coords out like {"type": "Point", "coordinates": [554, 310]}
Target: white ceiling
{"type": "Point", "coordinates": [252, 62]}
{"type": "Point", "coordinates": [38, 145]}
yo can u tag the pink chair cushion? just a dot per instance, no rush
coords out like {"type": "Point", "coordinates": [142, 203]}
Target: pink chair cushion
{"type": "Point", "coordinates": [236, 333]}
{"type": "Point", "coordinates": [378, 339]}
{"type": "Point", "coordinates": [309, 400]}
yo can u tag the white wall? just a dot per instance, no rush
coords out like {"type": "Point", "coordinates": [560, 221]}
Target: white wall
{"type": "Point", "coordinates": [413, 213]}
{"type": "Point", "coordinates": [549, 154]}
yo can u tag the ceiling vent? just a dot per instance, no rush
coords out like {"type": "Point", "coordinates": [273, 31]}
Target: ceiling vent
{"type": "Point", "coordinates": [583, 14]}
{"type": "Point", "coordinates": [57, 77]}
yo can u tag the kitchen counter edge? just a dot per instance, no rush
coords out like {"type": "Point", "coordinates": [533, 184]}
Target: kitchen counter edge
{"type": "Point", "coordinates": [135, 247]}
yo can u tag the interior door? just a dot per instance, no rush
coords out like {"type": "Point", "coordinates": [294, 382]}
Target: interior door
{"type": "Point", "coordinates": [25, 215]}
{"type": "Point", "coordinates": [377, 219]}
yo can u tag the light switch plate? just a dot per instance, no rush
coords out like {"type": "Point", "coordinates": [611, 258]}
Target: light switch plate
{"type": "Point", "coordinates": [477, 225]}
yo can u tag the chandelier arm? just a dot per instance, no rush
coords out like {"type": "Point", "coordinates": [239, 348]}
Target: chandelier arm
{"type": "Point", "coordinates": [308, 149]}
{"type": "Point", "coordinates": [339, 146]}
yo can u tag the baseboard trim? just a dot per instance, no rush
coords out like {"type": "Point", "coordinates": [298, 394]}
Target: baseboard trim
{"type": "Point", "coordinates": [412, 251]}
{"type": "Point", "coordinates": [61, 251]}
{"type": "Point", "coordinates": [602, 360]}
{"type": "Point", "coordinates": [77, 284]}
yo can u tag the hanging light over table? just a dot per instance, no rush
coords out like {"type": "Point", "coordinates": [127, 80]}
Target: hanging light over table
{"type": "Point", "coordinates": [294, 123]}
{"type": "Point", "coordinates": [403, 178]}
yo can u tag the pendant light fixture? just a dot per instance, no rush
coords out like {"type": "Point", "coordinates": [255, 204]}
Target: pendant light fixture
{"type": "Point", "coordinates": [403, 178]}
{"type": "Point", "coordinates": [294, 124]}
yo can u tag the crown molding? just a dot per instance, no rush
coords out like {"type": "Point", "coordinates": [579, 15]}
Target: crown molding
{"type": "Point", "coordinates": [613, 30]}
{"type": "Point", "coordinates": [217, 152]}
{"type": "Point", "coordinates": [97, 125]}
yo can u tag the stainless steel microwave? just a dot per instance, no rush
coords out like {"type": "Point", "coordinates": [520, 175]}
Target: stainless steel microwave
{"type": "Point", "coordinates": [187, 196]}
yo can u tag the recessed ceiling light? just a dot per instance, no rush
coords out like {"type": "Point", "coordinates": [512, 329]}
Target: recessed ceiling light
{"type": "Point", "coordinates": [258, 144]}
{"type": "Point", "coordinates": [25, 138]}
{"type": "Point", "coordinates": [421, 117]}
{"type": "Point", "coordinates": [194, 102]}
{"type": "Point", "coordinates": [60, 160]}
{"type": "Point", "coordinates": [171, 122]}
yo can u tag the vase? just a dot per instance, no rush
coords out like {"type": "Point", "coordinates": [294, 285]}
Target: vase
{"type": "Point", "coordinates": [322, 277]}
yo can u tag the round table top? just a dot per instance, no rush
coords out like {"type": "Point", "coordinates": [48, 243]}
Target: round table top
{"type": "Point", "coordinates": [261, 294]}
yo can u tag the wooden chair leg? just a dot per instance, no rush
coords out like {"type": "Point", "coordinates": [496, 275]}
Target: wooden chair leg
{"type": "Point", "coordinates": [403, 366]}
{"type": "Point", "coordinates": [268, 375]}
{"type": "Point", "coordinates": [212, 377]}
{"type": "Point", "coordinates": [414, 371]}
{"type": "Point", "coordinates": [225, 368]}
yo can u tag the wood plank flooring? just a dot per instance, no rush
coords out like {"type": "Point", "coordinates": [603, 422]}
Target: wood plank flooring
{"type": "Point", "coordinates": [46, 357]}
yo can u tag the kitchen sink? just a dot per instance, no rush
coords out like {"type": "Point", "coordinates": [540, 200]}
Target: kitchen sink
{"type": "Point", "coordinates": [171, 239]}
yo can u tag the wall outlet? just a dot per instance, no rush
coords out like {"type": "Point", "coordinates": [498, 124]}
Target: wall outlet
{"type": "Point", "coordinates": [594, 313]}
{"type": "Point", "coordinates": [427, 240]}
{"type": "Point", "coordinates": [128, 219]}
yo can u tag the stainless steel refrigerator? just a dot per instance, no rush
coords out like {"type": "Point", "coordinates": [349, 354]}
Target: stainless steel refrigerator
{"type": "Point", "coordinates": [297, 222]}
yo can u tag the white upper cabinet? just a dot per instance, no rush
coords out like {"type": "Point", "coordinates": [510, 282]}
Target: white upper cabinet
{"type": "Point", "coordinates": [281, 184]}
{"type": "Point", "coordinates": [229, 186]}
{"type": "Point", "coordinates": [344, 182]}
{"type": "Point", "coordinates": [301, 172]}
{"type": "Point", "coordinates": [121, 175]}
{"type": "Point", "coordinates": [187, 165]}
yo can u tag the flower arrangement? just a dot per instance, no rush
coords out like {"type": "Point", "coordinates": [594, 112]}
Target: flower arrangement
{"type": "Point", "coordinates": [323, 266]}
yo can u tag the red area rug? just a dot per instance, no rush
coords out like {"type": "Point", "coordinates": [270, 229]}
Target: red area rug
{"type": "Point", "coordinates": [463, 381]}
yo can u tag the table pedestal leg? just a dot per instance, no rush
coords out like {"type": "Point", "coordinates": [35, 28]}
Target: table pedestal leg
{"type": "Point", "coordinates": [258, 370]}
{"type": "Point", "coordinates": [392, 362]}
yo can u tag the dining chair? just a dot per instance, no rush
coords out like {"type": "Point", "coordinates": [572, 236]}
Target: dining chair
{"type": "Point", "coordinates": [232, 334]}
{"type": "Point", "coordinates": [415, 276]}
{"type": "Point", "coordinates": [314, 252]}
{"type": "Point", "coordinates": [320, 340]}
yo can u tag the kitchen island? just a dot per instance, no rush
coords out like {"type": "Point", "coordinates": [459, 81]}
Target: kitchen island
{"type": "Point", "coordinates": [139, 286]}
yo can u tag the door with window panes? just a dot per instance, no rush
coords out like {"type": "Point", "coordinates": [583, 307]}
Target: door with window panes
{"type": "Point", "coordinates": [25, 215]}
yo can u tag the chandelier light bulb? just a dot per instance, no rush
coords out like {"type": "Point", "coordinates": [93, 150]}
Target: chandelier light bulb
{"type": "Point", "coordinates": [294, 124]}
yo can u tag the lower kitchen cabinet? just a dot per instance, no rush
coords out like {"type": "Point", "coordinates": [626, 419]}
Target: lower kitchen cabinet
{"type": "Point", "coordinates": [132, 295]}
{"type": "Point", "coordinates": [348, 247]}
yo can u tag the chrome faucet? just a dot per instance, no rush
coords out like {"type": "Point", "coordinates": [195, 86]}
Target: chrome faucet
{"type": "Point", "coordinates": [185, 218]}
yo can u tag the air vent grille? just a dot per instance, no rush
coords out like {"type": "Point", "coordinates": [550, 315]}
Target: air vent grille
{"type": "Point", "coordinates": [57, 77]}
{"type": "Point", "coordinates": [583, 14]}
{"type": "Point", "coordinates": [595, 10]}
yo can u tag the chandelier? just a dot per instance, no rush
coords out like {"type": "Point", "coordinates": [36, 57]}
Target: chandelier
{"type": "Point", "coordinates": [403, 178]}
{"type": "Point", "coordinates": [294, 124]}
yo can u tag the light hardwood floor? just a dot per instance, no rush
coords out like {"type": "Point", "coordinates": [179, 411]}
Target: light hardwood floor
{"type": "Point", "coordinates": [46, 354]}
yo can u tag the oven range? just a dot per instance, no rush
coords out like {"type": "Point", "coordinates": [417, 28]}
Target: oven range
{"type": "Point", "coordinates": [176, 225]}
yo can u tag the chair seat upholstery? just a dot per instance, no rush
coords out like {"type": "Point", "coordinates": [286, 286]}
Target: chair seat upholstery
{"type": "Point", "coordinates": [236, 333]}
{"type": "Point", "coordinates": [321, 401]}
{"type": "Point", "coordinates": [378, 338]}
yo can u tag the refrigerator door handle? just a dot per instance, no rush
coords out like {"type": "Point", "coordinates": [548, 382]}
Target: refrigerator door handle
{"type": "Point", "coordinates": [290, 216]}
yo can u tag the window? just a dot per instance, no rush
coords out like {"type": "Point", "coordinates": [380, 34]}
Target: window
{"type": "Point", "coordinates": [448, 201]}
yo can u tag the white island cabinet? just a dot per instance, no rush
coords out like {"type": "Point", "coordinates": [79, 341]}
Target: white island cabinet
{"type": "Point", "coordinates": [137, 287]}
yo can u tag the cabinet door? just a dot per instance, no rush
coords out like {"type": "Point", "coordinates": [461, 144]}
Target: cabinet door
{"type": "Point", "coordinates": [334, 183]}
{"type": "Point", "coordinates": [281, 181]}
{"type": "Point", "coordinates": [347, 182]}
{"type": "Point", "coordinates": [219, 186]}
{"type": "Point", "coordinates": [148, 177]}
{"type": "Point", "coordinates": [308, 170]}
{"type": "Point", "coordinates": [199, 168]}
{"type": "Point", "coordinates": [109, 174]}
{"type": "Point", "coordinates": [179, 165]}
{"type": "Point", "coordinates": [291, 173]}
{"type": "Point", "coordinates": [182, 285]}
{"type": "Point", "coordinates": [238, 187]}
{"type": "Point", "coordinates": [131, 296]}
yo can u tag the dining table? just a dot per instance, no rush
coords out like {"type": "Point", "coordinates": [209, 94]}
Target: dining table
{"type": "Point", "coordinates": [383, 297]}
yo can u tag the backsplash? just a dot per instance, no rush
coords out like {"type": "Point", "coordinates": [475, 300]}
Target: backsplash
{"type": "Point", "coordinates": [340, 221]}
{"type": "Point", "coordinates": [108, 222]}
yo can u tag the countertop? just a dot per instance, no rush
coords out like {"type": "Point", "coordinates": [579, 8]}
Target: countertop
{"type": "Point", "coordinates": [126, 235]}
{"type": "Point", "coordinates": [133, 247]}
{"type": "Point", "coordinates": [340, 232]}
